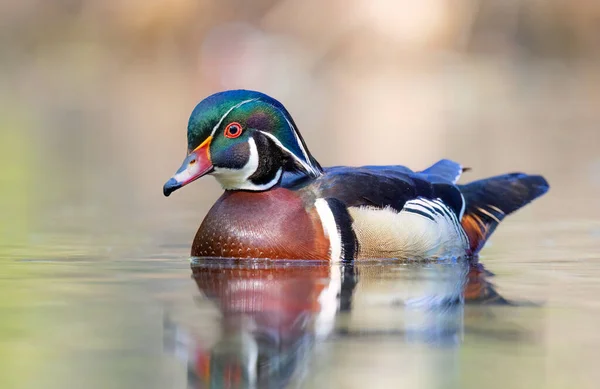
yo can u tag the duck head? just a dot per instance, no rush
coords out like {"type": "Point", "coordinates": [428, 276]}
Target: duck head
{"type": "Point", "coordinates": [246, 140]}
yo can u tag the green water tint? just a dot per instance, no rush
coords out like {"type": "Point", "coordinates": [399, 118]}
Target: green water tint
{"type": "Point", "coordinates": [16, 296]}
{"type": "Point", "coordinates": [30, 290]}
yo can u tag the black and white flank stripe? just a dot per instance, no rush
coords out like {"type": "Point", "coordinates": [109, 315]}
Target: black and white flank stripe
{"type": "Point", "coordinates": [436, 211]}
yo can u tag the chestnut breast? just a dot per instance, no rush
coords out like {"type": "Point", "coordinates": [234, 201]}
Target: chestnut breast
{"type": "Point", "coordinates": [276, 224]}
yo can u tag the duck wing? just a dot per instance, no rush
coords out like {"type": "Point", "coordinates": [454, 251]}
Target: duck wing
{"type": "Point", "coordinates": [388, 187]}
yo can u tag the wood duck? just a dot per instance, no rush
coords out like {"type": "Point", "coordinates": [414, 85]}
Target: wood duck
{"type": "Point", "coordinates": [279, 203]}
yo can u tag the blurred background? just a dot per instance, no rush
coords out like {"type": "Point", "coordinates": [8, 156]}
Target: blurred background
{"type": "Point", "coordinates": [95, 98]}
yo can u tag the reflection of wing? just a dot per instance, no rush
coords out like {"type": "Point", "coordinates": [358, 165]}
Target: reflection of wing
{"type": "Point", "coordinates": [421, 302]}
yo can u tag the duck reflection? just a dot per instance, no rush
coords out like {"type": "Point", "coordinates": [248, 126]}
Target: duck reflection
{"type": "Point", "coordinates": [272, 314]}
{"type": "Point", "coordinates": [275, 313]}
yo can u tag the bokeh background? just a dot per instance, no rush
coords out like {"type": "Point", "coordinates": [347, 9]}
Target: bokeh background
{"type": "Point", "coordinates": [95, 97]}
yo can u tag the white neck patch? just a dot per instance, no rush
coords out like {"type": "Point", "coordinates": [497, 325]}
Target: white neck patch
{"type": "Point", "coordinates": [239, 179]}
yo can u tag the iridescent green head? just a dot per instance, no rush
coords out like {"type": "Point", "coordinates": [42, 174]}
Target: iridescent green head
{"type": "Point", "coordinates": [246, 139]}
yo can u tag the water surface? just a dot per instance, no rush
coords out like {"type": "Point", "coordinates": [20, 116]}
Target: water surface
{"type": "Point", "coordinates": [123, 318]}
{"type": "Point", "coordinates": [96, 288]}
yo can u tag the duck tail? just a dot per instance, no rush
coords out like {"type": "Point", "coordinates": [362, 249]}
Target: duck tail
{"type": "Point", "coordinates": [489, 200]}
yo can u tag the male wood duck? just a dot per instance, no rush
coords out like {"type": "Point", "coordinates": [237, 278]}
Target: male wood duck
{"type": "Point", "coordinates": [279, 203]}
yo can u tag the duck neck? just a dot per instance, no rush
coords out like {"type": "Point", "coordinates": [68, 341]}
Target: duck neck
{"type": "Point", "coordinates": [262, 172]}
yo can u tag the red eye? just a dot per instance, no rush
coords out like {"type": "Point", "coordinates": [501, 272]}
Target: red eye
{"type": "Point", "coordinates": [233, 130]}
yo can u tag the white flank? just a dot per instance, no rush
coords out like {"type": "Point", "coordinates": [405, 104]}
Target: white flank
{"type": "Point", "coordinates": [330, 229]}
{"type": "Point", "coordinates": [386, 233]}
{"type": "Point", "coordinates": [239, 178]}
{"type": "Point", "coordinates": [304, 163]}
{"type": "Point", "coordinates": [455, 220]}
{"type": "Point", "coordinates": [216, 127]}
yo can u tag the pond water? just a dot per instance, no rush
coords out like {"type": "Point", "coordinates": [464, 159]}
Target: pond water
{"type": "Point", "coordinates": [149, 320]}
{"type": "Point", "coordinates": [97, 291]}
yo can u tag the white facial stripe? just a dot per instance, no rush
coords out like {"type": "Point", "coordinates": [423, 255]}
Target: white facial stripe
{"type": "Point", "coordinates": [298, 140]}
{"type": "Point", "coordinates": [309, 169]}
{"type": "Point", "coordinates": [215, 128]}
{"type": "Point", "coordinates": [306, 164]}
{"type": "Point", "coordinates": [239, 178]}
{"type": "Point", "coordinates": [330, 229]}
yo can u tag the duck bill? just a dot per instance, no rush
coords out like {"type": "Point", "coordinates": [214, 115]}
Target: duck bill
{"type": "Point", "coordinates": [195, 165]}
